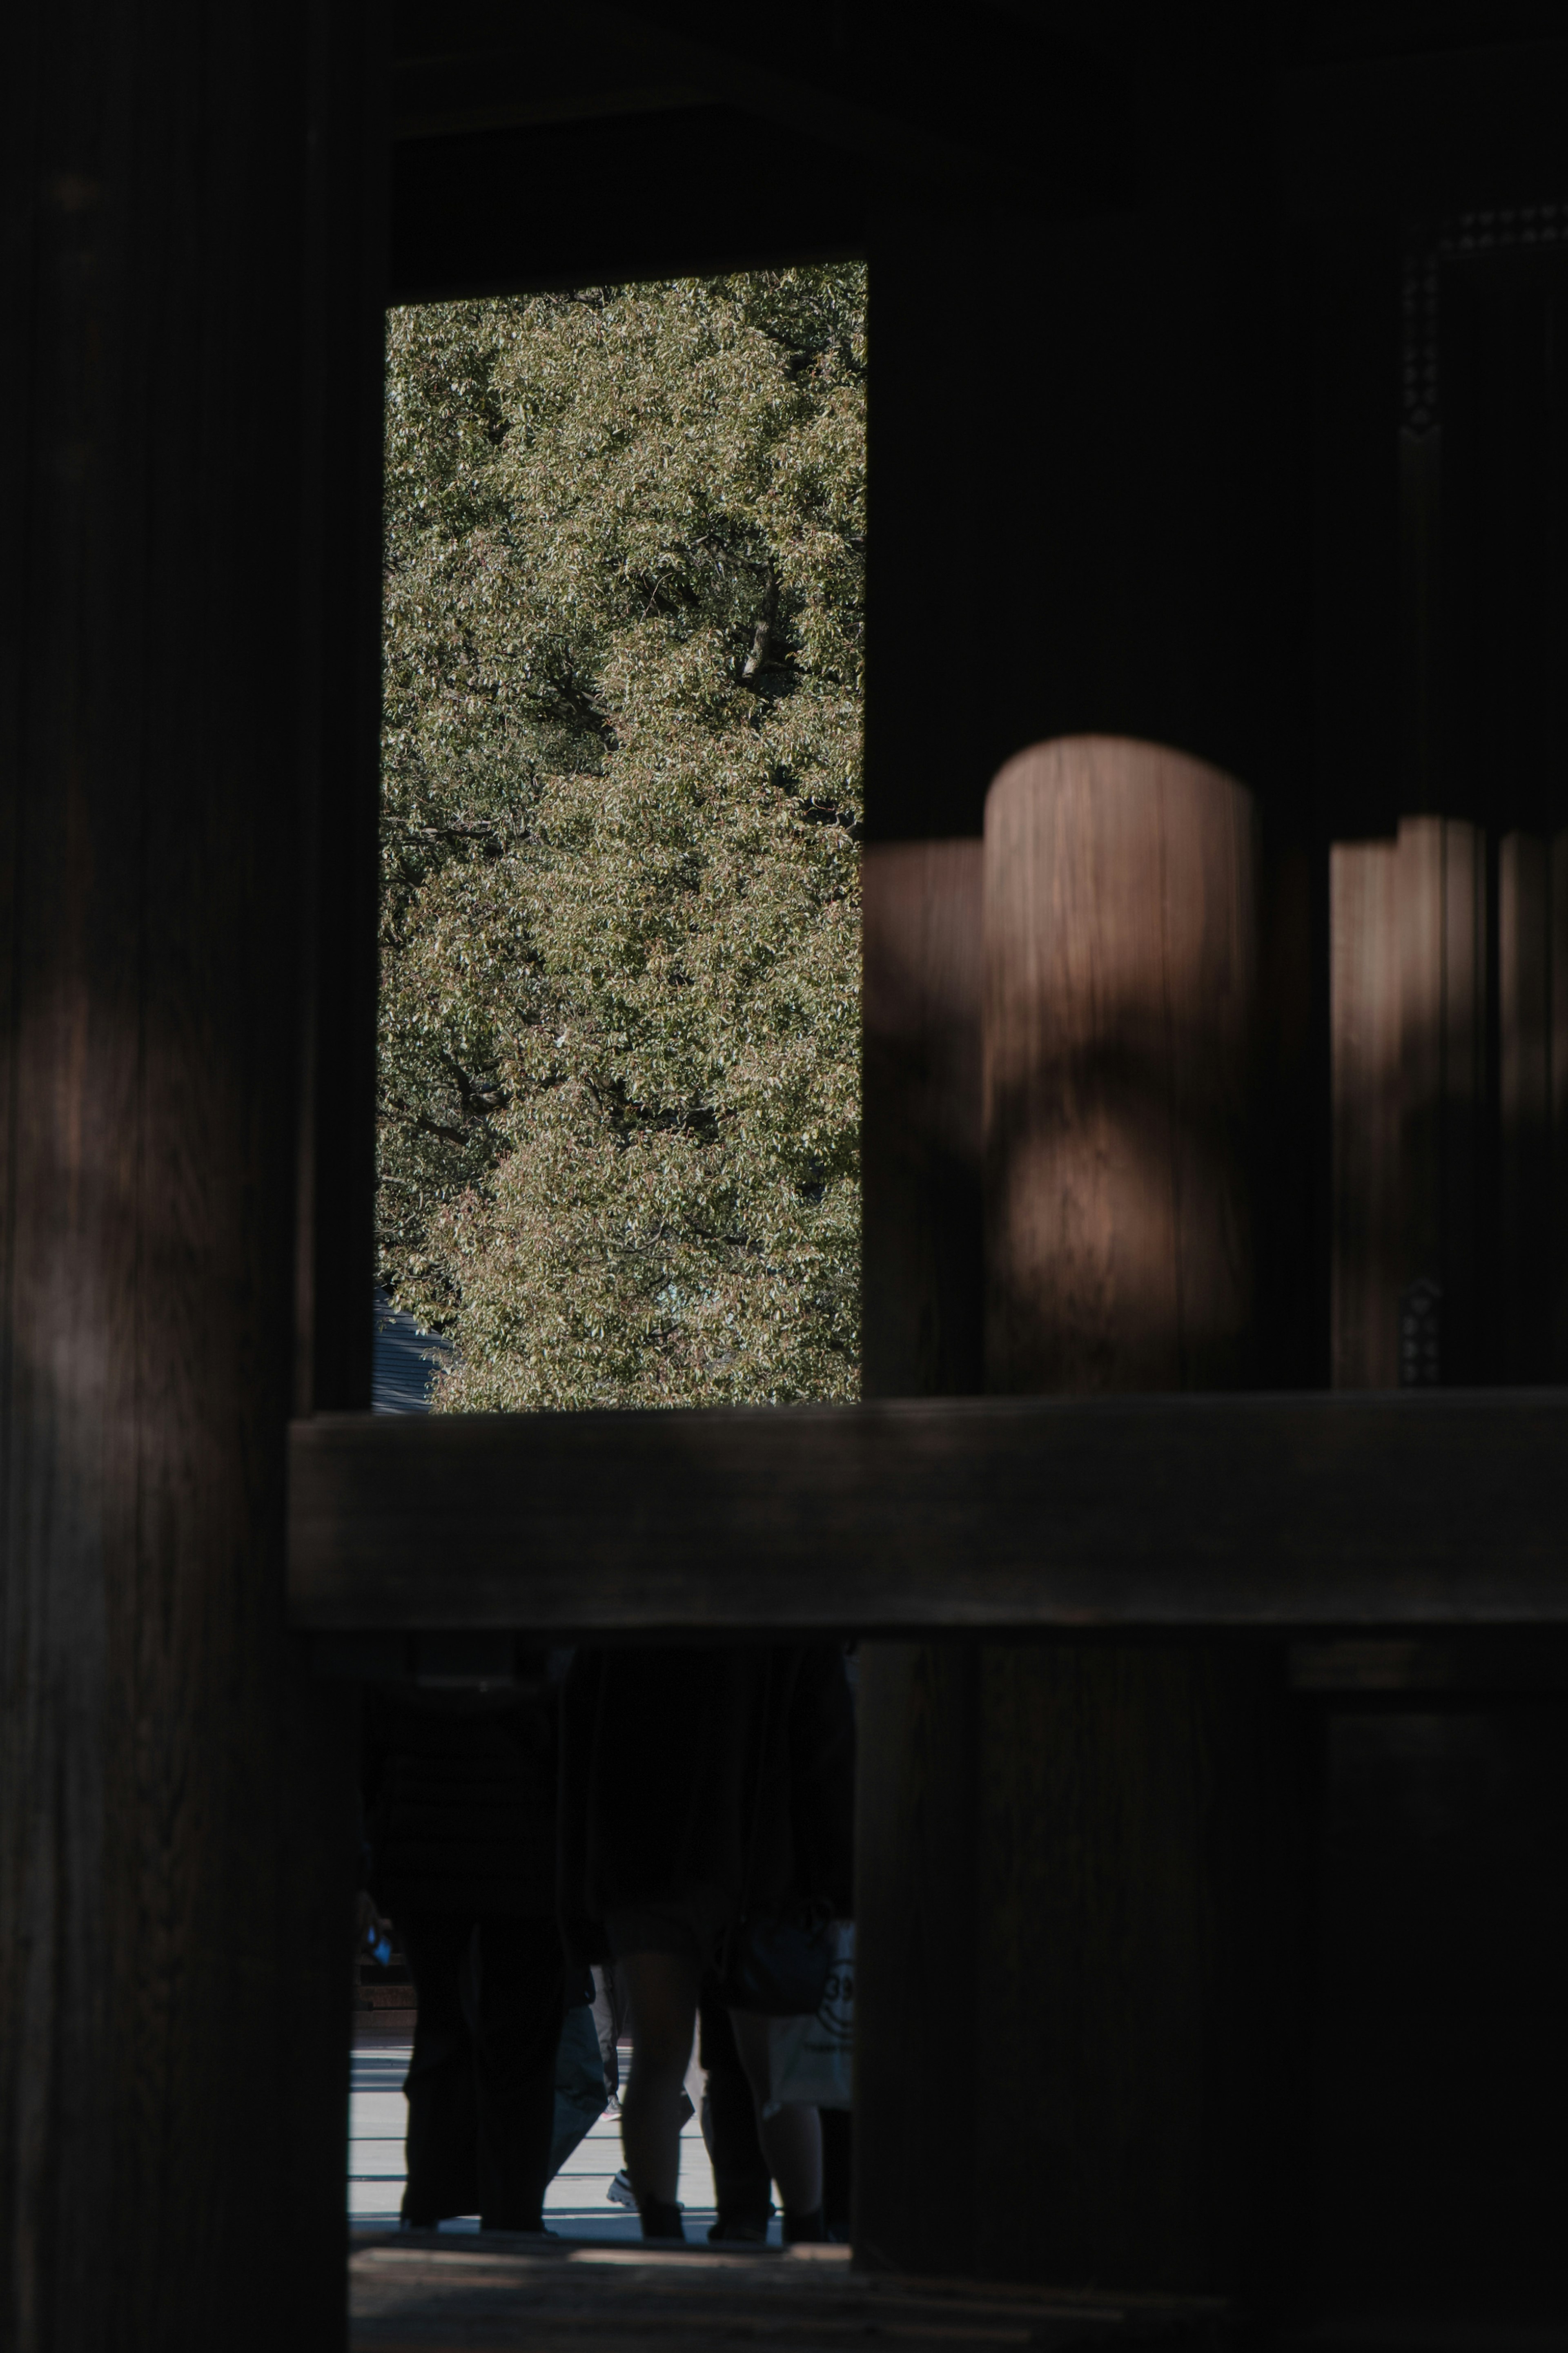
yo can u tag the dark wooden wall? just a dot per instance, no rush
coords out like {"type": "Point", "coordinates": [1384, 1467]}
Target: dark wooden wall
{"type": "Point", "coordinates": [186, 435]}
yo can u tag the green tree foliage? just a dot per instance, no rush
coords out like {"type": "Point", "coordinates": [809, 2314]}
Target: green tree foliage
{"type": "Point", "coordinates": [620, 1079]}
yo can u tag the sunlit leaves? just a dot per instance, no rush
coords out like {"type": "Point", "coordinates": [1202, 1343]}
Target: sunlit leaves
{"type": "Point", "coordinates": [620, 1020]}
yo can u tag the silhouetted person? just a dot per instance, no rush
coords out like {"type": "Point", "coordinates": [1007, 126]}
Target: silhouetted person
{"type": "Point", "coordinates": [697, 1783]}
{"type": "Point", "coordinates": [460, 1789]}
{"type": "Point", "coordinates": [743, 2180]}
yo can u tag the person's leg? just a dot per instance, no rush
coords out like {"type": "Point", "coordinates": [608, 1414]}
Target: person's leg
{"type": "Point", "coordinates": [520, 2002]}
{"type": "Point", "coordinates": [661, 1992]}
{"type": "Point", "coordinates": [607, 2026]}
{"type": "Point", "coordinates": [443, 2117]}
{"type": "Point", "coordinates": [837, 2166]}
{"type": "Point", "coordinates": [743, 2183]}
{"type": "Point", "coordinates": [791, 2137]}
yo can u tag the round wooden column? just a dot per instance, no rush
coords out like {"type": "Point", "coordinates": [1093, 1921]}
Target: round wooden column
{"type": "Point", "coordinates": [1120, 961]}
{"type": "Point", "coordinates": [1073, 1906]}
{"type": "Point", "coordinates": [190, 476]}
{"type": "Point", "coordinates": [1126, 1839]}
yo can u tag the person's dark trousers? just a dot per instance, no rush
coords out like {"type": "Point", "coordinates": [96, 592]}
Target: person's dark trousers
{"type": "Point", "coordinates": [743, 2185]}
{"type": "Point", "coordinates": [481, 2081]}
{"type": "Point", "coordinates": [837, 2164]}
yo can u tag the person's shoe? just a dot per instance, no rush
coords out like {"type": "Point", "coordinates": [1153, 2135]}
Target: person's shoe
{"type": "Point", "coordinates": [803, 2230]}
{"type": "Point", "coordinates": [739, 2231]}
{"type": "Point", "coordinates": [620, 2191]}
{"type": "Point", "coordinates": [660, 2222]}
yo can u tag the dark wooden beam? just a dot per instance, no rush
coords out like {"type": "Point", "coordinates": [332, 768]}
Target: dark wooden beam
{"type": "Point", "coordinates": [1448, 1509]}
{"type": "Point", "coordinates": [957, 114]}
{"type": "Point", "coordinates": [486, 66]}
{"type": "Point", "coordinates": [957, 111]}
{"type": "Point", "coordinates": [519, 209]}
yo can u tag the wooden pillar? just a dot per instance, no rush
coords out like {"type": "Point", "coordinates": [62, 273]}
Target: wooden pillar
{"type": "Point", "coordinates": [1558, 1201]}
{"type": "Point", "coordinates": [1121, 890]}
{"type": "Point", "coordinates": [178, 1830]}
{"type": "Point", "coordinates": [1438, 2196]}
{"type": "Point", "coordinates": [915, 2149]}
{"type": "Point", "coordinates": [1407, 1021]}
{"type": "Point", "coordinates": [1133, 1815]}
{"type": "Point", "coordinates": [1073, 1856]}
{"type": "Point", "coordinates": [1449, 1156]}
{"type": "Point", "coordinates": [920, 1178]}
{"type": "Point", "coordinates": [1524, 1109]}
{"type": "Point", "coordinates": [1102, 561]}
{"type": "Point", "coordinates": [1365, 1021]}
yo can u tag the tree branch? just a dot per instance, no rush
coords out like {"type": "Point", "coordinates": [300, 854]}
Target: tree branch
{"type": "Point", "coordinates": [761, 635]}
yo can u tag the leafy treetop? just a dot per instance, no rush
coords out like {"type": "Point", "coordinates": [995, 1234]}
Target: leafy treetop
{"type": "Point", "coordinates": [619, 1095]}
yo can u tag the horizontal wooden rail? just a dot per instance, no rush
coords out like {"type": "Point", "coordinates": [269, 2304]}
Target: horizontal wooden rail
{"type": "Point", "coordinates": [1304, 1511]}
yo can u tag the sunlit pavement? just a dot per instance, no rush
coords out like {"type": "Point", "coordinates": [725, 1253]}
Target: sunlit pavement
{"type": "Point", "coordinates": [574, 2204]}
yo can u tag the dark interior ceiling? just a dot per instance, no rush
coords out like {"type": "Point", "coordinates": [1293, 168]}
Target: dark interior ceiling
{"type": "Point", "coordinates": [633, 132]}
{"type": "Point", "coordinates": [945, 96]}
{"type": "Point", "coordinates": [534, 146]}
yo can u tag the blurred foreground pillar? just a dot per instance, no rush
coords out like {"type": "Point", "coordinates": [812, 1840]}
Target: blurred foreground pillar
{"type": "Point", "coordinates": [189, 480]}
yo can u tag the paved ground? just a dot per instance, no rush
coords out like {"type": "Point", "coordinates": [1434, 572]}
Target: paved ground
{"type": "Point", "coordinates": [496, 2296]}
{"type": "Point", "coordinates": [500, 2294]}
{"type": "Point", "coordinates": [574, 2204]}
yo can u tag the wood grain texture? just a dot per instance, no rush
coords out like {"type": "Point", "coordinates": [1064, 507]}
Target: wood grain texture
{"type": "Point", "coordinates": [915, 1940]}
{"type": "Point", "coordinates": [176, 1791]}
{"type": "Point", "coordinates": [918, 1941]}
{"type": "Point", "coordinates": [1133, 1828]}
{"type": "Point", "coordinates": [1464, 1259]}
{"type": "Point", "coordinates": [1559, 1200]}
{"type": "Point", "coordinates": [1408, 1044]}
{"type": "Point", "coordinates": [1441, 1906]}
{"type": "Point", "coordinates": [339, 859]}
{"type": "Point", "coordinates": [1418, 977]}
{"type": "Point", "coordinates": [921, 1162]}
{"type": "Point", "coordinates": [1051, 1868]}
{"type": "Point", "coordinates": [1364, 1023]}
{"type": "Point", "coordinates": [1446, 1508]}
{"type": "Point", "coordinates": [1525, 1226]}
{"type": "Point", "coordinates": [1128, 1869]}
{"type": "Point", "coordinates": [1121, 964]}
{"type": "Point", "coordinates": [1440, 919]}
